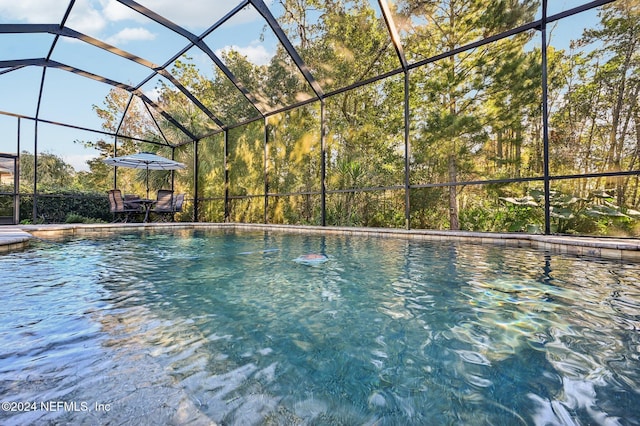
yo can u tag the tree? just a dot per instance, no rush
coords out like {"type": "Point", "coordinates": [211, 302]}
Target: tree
{"type": "Point", "coordinates": [615, 61]}
{"type": "Point", "coordinates": [53, 172]}
{"type": "Point", "coordinates": [453, 97]}
{"type": "Point", "coordinates": [594, 127]}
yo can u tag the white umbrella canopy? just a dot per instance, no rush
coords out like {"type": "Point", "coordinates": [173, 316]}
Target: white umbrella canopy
{"type": "Point", "coordinates": [144, 160]}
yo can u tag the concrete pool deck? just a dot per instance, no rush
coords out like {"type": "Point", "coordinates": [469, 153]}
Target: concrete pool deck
{"type": "Point", "coordinates": [15, 237]}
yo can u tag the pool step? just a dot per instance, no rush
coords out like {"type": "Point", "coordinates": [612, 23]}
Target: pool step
{"type": "Point", "coordinates": [12, 238]}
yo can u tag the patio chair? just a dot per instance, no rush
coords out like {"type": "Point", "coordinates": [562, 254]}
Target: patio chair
{"type": "Point", "coordinates": [177, 203]}
{"type": "Point", "coordinates": [118, 207]}
{"type": "Point", "coordinates": [164, 205]}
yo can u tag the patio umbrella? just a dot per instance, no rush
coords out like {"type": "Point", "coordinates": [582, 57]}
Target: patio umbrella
{"type": "Point", "coordinates": [144, 160]}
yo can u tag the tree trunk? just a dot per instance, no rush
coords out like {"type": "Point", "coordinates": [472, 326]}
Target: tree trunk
{"type": "Point", "coordinates": [518, 159]}
{"type": "Point", "coordinates": [454, 224]}
{"type": "Point", "coordinates": [499, 161]}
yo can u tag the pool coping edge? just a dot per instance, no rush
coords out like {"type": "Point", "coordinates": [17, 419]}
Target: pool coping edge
{"type": "Point", "coordinates": [17, 237]}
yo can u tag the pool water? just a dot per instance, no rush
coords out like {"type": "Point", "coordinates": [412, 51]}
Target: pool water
{"type": "Point", "coordinates": [226, 328]}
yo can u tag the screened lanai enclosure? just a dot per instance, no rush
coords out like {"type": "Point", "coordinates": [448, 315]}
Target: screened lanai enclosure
{"type": "Point", "coordinates": [483, 115]}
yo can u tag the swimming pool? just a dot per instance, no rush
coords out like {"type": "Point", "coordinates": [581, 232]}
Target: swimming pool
{"type": "Point", "coordinates": [225, 327]}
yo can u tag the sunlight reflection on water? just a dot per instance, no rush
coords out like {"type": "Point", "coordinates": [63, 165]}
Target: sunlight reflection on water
{"type": "Point", "coordinates": [227, 328]}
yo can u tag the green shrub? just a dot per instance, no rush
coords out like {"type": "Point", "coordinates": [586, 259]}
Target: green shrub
{"type": "Point", "coordinates": [59, 207]}
{"type": "Point", "coordinates": [75, 218]}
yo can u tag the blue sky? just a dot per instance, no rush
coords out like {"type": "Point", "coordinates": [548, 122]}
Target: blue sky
{"type": "Point", "coordinates": [69, 98]}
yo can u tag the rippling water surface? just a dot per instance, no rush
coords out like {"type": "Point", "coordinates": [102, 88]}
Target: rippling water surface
{"type": "Point", "coordinates": [224, 328]}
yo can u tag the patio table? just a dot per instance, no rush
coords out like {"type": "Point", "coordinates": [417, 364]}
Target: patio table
{"type": "Point", "coordinates": [146, 203]}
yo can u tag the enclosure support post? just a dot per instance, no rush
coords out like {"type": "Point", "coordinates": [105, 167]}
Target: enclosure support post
{"type": "Point", "coordinates": [115, 168]}
{"type": "Point", "coordinates": [323, 167]}
{"type": "Point", "coordinates": [266, 170]}
{"type": "Point", "coordinates": [407, 147]}
{"type": "Point", "coordinates": [35, 173]}
{"type": "Point", "coordinates": [196, 190]}
{"type": "Point", "coordinates": [173, 172]}
{"type": "Point", "coordinates": [545, 122]}
{"type": "Point", "coordinates": [226, 176]}
{"type": "Point", "coordinates": [16, 180]}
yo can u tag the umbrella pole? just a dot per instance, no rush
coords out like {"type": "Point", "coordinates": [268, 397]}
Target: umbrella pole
{"type": "Point", "coordinates": [147, 181]}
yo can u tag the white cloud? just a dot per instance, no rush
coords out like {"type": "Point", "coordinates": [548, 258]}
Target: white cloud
{"type": "Point", "coordinates": [84, 16]}
{"type": "Point", "coordinates": [116, 11]}
{"type": "Point", "coordinates": [255, 53]}
{"type": "Point", "coordinates": [86, 19]}
{"type": "Point", "coordinates": [153, 94]}
{"type": "Point", "coordinates": [192, 14]}
{"type": "Point", "coordinates": [198, 14]}
{"type": "Point", "coordinates": [78, 161]}
{"type": "Point", "coordinates": [130, 34]}
{"type": "Point", "coordinates": [33, 11]}
{"type": "Point", "coordinates": [92, 16]}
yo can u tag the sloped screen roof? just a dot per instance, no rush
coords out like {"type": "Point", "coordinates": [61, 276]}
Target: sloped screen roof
{"type": "Point", "coordinates": [60, 53]}
{"type": "Point", "coordinates": [60, 58]}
